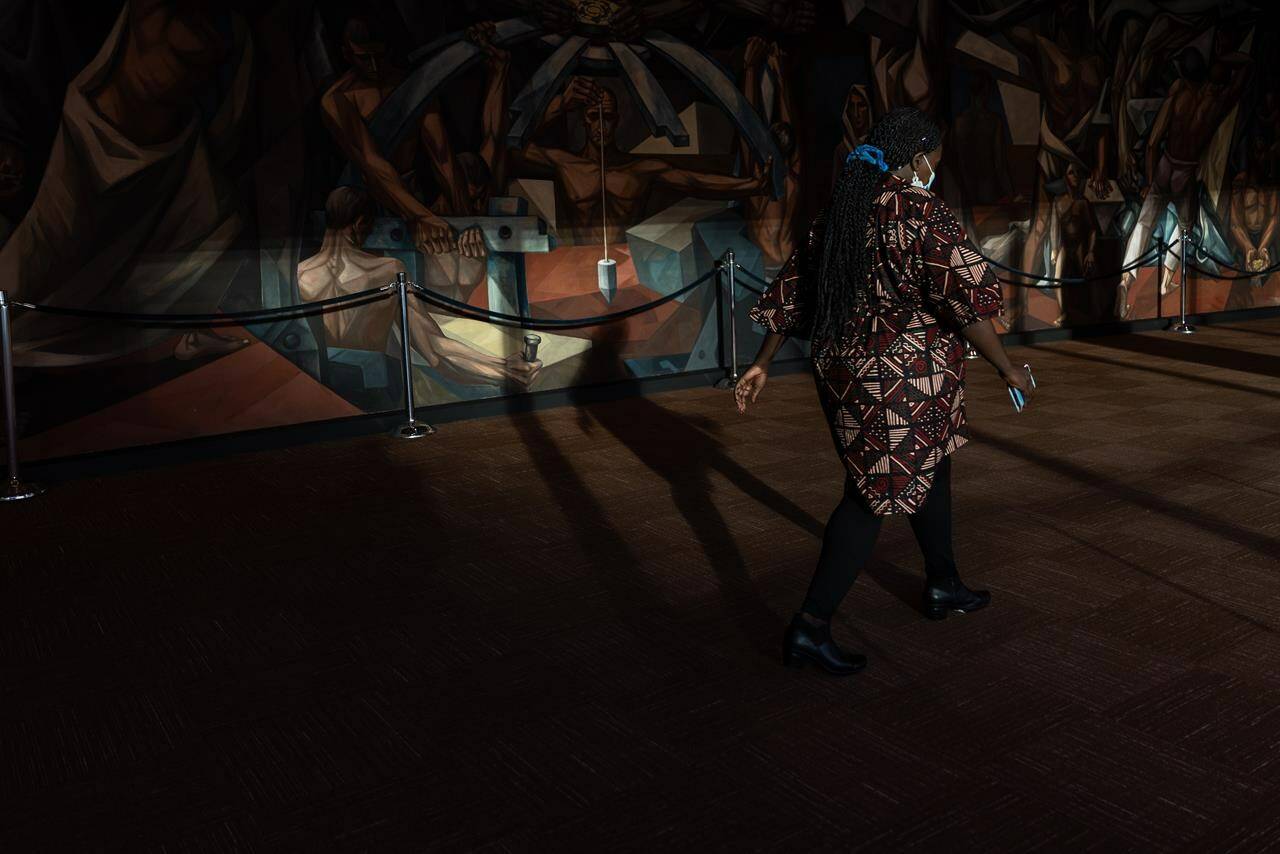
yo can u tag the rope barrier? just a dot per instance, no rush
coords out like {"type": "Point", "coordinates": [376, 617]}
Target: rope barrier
{"type": "Point", "coordinates": [474, 312]}
{"type": "Point", "coordinates": [352, 300]}
{"type": "Point", "coordinates": [514, 320]}
{"type": "Point", "coordinates": [1150, 256]}
{"type": "Point", "coordinates": [1146, 258]}
{"type": "Point", "coordinates": [1228, 265]}
{"type": "Point", "coordinates": [750, 275]}
{"type": "Point", "coordinates": [1266, 271]}
{"type": "Point", "coordinates": [222, 319]}
{"type": "Point", "coordinates": [1244, 274]}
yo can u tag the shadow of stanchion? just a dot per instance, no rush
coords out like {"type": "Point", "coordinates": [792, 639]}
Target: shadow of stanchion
{"type": "Point", "coordinates": [1193, 378]}
{"type": "Point", "coordinates": [683, 452]}
{"type": "Point", "coordinates": [636, 601]}
{"type": "Point", "coordinates": [1244, 329]}
{"type": "Point", "coordinates": [1163, 582]}
{"type": "Point", "coordinates": [1183, 350]}
{"type": "Point", "coordinates": [1193, 517]}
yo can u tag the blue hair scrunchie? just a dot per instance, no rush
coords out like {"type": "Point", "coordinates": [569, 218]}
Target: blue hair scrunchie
{"type": "Point", "coordinates": [869, 154]}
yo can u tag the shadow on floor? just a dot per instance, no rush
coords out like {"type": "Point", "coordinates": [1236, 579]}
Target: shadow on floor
{"type": "Point", "coordinates": [685, 451]}
{"type": "Point", "coordinates": [1120, 363]}
{"type": "Point", "coordinates": [1190, 516]}
{"type": "Point", "coordinates": [1184, 350]}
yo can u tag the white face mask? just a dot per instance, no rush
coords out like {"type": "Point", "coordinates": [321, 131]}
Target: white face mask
{"type": "Point", "coordinates": [915, 180]}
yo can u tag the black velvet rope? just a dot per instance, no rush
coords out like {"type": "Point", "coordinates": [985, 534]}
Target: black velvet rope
{"type": "Point", "coordinates": [1228, 265]}
{"type": "Point", "coordinates": [463, 309]}
{"type": "Point", "coordinates": [232, 318]}
{"type": "Point", "coordinates": [750, 275]}
{"type": "Point", "coordinates": [1051, 282]}
{"type": "Point", "coordinates": [1043, 282]}
{"type": "Point", "coordinates": [514, 320]}
{"type": "Point", "coordinates": [1247, 274]}
{"type": "Point", "coordinates": [1265, 271]}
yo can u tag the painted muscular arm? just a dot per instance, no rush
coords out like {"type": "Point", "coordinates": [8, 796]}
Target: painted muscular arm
{"type": "Point", "coordinates": [1098, 179]}
{"type": "Point", "coordinates": [579, 92]}
{"type": "Point", "coordinates": [1238, 232]}
{"type": "Point", "coordinates": [1156, 41]}
{"type": "Point", "coordinates": [1238, 80]}
{"type": "Point", "coordinates": [753, 57]}
{"type": "Point", "coordinates": [1130, 42]}
{"type": "Point", "coordinates": [1269, 233]}
{"type": "Point", "coordinates": [462, 362]}
{"type": "Point", "coordinates": [786, 113]}
{"type": "Point", "coordinates": [493, 115]}
{"type": "Point", "coordinates": [444, 165]}
{"type": "Point", "coordinates": [704, 184]}
{"type": "Point", "coordinates": [1089, 258]}
{"type": "Point", "coordinates": [1159, 128]}
{"type": "Point", "coordinates": [353, 138]}
{"type": "Point", "coordinates": [532, 156]}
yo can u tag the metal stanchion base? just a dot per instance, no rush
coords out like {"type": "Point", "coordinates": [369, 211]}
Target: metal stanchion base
{"type": "Point", "coordinates": [726, 382]}
{"type": "Point", "coordinates": [413, 430]}
{"type": "Point", "coordinates": [16, 490]}
{"type": "Point", "coordinates": [1183, 328]}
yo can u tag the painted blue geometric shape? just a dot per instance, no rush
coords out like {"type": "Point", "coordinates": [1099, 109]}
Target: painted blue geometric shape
{"type": "Point", "coordinates": [716, 235]}
{"type": "Point", "coordinates": [652, 366]}
{"type": "Point", "coordinates": [370, 367]}
{"type": "Point", "coordinates": [663, 247]}
{"type": "Point", "coordinates": [705, 352]}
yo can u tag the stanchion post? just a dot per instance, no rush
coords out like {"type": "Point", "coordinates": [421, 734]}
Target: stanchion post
{"type": "Point", "coordinates": [730, 264]}
{"type": "Point", "coordinates": [14, 488]}
{"type": "Point", "coordinates": [412, 428]}
{"type": "Point", "coordinates": [1181, 326]}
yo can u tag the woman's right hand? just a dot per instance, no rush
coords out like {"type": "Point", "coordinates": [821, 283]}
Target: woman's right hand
{"type": "Point", "coordinates": [749, 386]}
{"type": "Point", "coordinates": [1018, 377]}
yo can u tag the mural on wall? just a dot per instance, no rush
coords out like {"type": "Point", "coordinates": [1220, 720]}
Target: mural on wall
{"type": "Point", "coordinates": [171, 156]}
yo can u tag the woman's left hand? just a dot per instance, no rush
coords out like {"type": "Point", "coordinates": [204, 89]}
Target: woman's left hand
{"type": "Point", "coordinates": [749, 386]}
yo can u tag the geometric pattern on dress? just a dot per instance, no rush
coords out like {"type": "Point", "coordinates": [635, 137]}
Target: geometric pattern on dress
{"type": "Point", "coordinates": [892, 387]}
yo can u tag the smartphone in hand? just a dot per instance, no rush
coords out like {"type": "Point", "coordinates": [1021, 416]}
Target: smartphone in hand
{"type": "Point", "coordinates": [1016, 395]}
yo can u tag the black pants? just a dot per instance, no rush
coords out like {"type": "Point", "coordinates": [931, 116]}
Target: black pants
{"type": "Point", "coordinates": [851, 534]}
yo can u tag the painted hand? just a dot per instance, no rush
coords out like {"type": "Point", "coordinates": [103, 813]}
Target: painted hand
{"type": "Point", "coordinates": [432, 235]}
{"type": "Point", "coordinates": [516, 370]}
{"type": "Point", "coordinates": [762, 176]}
{"type": "Point", "coordinates": [756, 52]}
{"type": "Point", "coordinates": [482, 35]}
{"type": "Point", "coordinates": [1100, 184]}
{"type": "Point", "coordinates": [471, 243]}
{"type": "Point", "coordinates": [580, 92]}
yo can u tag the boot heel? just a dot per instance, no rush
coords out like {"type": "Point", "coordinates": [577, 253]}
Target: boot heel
{"type": "Point", "coordinates": [935, 612]}
{"type": "Point", "coordinates": [796, 662]}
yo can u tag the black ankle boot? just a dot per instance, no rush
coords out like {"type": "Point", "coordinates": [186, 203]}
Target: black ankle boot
{"type": "Point", "coordinates": [944, 595]}
{"type": "Point", "coordinates": [805, 643]}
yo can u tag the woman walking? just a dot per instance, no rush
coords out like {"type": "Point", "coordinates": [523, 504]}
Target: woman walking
{"type": "Point", "coordinates": [885, 288]}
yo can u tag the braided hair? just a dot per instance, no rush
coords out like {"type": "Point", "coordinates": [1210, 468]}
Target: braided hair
{"type": "Point", "coordinates": [847, 255]}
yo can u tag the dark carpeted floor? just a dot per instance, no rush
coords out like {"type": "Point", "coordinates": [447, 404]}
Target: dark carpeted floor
{"type": "Point", "coordinates": [559, 631]}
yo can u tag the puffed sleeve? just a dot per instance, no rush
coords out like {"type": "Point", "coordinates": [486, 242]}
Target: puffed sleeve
{"type": "Point", "coordinates": [786, 306]}
{"type": "Point", "coordinates": [957, 279]}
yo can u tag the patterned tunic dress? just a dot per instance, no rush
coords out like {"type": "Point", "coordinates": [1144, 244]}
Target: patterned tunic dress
{"type": "Point", "coordinates": [893, 387]}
